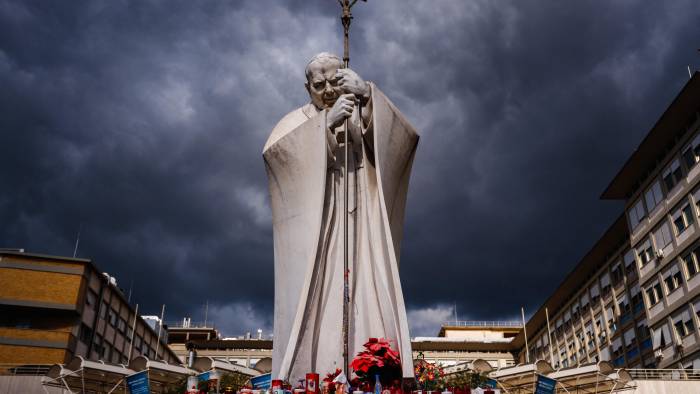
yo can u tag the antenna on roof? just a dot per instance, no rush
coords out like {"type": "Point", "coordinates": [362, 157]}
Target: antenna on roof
{"type": "Point", "coordinates": [131, 286]}
{"type": "Point", "coordinates": [690, 74]}
{"type": "Point", "coordinates": [206, 312]}
{"type": "Point", "coordinates": [77, 241]}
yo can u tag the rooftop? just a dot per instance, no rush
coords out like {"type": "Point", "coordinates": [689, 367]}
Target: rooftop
{"type": "Point", "coordinates": [673, 123]}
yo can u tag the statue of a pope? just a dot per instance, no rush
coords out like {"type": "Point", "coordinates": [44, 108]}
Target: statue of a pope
{"type": "Point", "coordinates": [304, 158]}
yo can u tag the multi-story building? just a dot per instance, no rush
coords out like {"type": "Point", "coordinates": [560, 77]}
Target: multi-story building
{"type": "Point", "coordinates": [634, 299]}
{"type": "Point", "coordinates": [55, 308]}
{"type": "Point", "coordinates": [457, 343]}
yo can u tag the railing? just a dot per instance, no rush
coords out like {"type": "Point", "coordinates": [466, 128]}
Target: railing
{"type": "Point", "coordinates": [664, 374]}
{"type": "Point", "coordinates": [26, 370]}
{"type": "Point", "coordinates": [483, 323]}
{"type": "Point", "coordinates": [193, 324]}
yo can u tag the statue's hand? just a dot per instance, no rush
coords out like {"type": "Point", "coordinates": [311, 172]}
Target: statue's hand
{"type": "Point", "coordinates": [341, 110]}
{"type": "Point", "coordinates": [350, 82]}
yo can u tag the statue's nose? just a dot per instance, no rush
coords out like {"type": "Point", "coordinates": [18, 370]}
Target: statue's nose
{"type": "Point", "coordinates": [328, 88]}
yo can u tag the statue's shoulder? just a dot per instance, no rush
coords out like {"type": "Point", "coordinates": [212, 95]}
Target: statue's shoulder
{"type": "Point", "coordinates": [290, 122]}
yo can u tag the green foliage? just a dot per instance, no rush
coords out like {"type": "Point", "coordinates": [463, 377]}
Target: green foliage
{"type": "Point", "coordinates": [466, 378]}
{"type": "Point", "coordinates": [233, 380]}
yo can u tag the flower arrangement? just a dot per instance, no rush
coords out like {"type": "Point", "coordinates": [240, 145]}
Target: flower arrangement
{"type": "Point", "coordinates": [378, 358]}
{"type": "Point", "coordinates": [430, 377]}
{"type": "Point", "coordinates": [329, 385]}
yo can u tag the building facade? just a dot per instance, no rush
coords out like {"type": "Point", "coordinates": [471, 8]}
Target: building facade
{"type": "Point", "coordinates": [55, 308]}
{"type": "Point", "coordinates": [634, 299]}
{"type": "Point", "coordinates": [456, 344]}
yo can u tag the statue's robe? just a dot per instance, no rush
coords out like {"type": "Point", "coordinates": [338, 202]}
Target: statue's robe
{"type": "Point", "coordinates": [305, 167]}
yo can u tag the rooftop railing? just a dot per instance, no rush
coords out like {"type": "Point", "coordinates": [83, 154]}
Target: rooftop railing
{"type": "Point", "coordinates": [24, 370]}
{"type": "Point", "coordinates": [664, 374]}
{"type": "Point", "coordinates": [482, 323]}
{"type": "Point", "coordinates": [194, 324]}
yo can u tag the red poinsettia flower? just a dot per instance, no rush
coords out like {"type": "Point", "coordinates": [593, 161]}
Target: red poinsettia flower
{"type": "Point", "coordinates": [378, 358]}
{"type": "Point", "coordinates": [329, 377]}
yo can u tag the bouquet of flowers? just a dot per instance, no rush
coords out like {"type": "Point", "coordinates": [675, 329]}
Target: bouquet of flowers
{"type": "Point", "coordinates": [329, 384]}
{"type": "Point", "coordinates": [430, 376]}
{"type": "Point", "coordinates": [378, 358]}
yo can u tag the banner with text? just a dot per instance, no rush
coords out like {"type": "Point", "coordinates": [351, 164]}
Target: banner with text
{"type": "Point", "coordinates": [138, 383]}
{"type": "Point", "coordinates": [545, 385]}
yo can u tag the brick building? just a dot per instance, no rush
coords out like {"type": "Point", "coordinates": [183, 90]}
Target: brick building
{"type": "Point", "coordinates": [55, 308]}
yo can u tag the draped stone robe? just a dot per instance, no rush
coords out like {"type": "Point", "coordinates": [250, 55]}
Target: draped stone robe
{"type": "Point", "coordinates": [305, 168]}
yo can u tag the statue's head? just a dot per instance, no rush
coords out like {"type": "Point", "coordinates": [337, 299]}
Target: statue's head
{"type": "Point", "coordinates": [320, 79]}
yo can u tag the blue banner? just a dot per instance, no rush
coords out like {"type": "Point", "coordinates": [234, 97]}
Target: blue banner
{"type": "Point", "coordinates": [545, 385]}
{"type": "Point", "coordinates": [204, 376]}
{"type": "Point", "coordinates": [261, 382]}
{"type": "Point", "coordinates": [138, 383]}
{"type": "Point", "coordinates": [490, 383]}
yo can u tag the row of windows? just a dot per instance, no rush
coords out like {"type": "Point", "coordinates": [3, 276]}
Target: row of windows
{"type": "Point", "coordinates": [104, 350]}
{"type": "Point", "coordinates": [678, 327]}
{"type": "Point", "coordinates": [101, 348]}
{"type": "Point", "coordinates": [674, 276]}
{"type": "Point", "coordinates": [671, 176]}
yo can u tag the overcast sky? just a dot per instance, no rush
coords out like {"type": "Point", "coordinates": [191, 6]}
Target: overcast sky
{"type": "Point", "coordinates": [144, 122]}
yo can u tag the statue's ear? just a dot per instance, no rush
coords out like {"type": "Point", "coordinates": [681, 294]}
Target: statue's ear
{"type": "Point", "coordinates": [306, 85]}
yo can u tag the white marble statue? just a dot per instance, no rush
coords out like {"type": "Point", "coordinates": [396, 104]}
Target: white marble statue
{"type": "Point", "coordinates": [305, 168]}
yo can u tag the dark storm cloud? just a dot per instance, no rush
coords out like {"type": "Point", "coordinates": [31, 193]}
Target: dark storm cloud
{"type": "Point", "coordinates": [145, 121]}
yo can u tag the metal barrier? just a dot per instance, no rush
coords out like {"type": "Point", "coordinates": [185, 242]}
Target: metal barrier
{"type": "Point", "coordinates": [24, 370]}
{"type": "Point", "coordinates": [664, 374]}
{"type": "Point", "coordinates": [483, 323]}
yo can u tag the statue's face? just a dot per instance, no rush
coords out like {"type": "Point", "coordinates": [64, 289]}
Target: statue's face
{"type": "Point", "coordinates": [321, 83]}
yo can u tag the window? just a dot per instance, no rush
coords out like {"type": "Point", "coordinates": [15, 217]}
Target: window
{"type": "Point", "coordinates": [653, 196]}
{"type": "Point", "coordinates": [645, 252]}
{"type": "Point", "coordinates": [683, 323]}
{"type": "Point", "coordinates": [112, 317]}
{"type": "Point", "coordinates": [91, 299]}
{"type": "Point", "coordinates": [629, 337]}
{"type": "Point", "coordinates": [612, 326]}
{"type": "Point", "coordinates": [595, 294]}
{"type": "Point", "coordinates": [575, 311]}
{"type": "Point", "coordinates": [691, 153]}
{"type": "Point", "coordinates": [654, 294]}
{"type": "Point", "coordinates": [672, 175]}
{"type": "Point", "coordinates": [584, 300]}
{"type": "Point", "coordinates": [85, 333]}
{"type": "Point", "coordinates": [643, 329]}
{"type": "Point", "coordinates": [103, 309]}
{"type": "Point", "coordinates": [673, 278]}
{"type": "Point", "coordinates": [682, 218]}
{"type": "Point", "coordinates": [636, 297]}
{"type": "Point", "coordinates": [690, 260]}
{"type": "Point", "coordinates": [636, 213]}
{"type": "Point", "coordinates": [617, 346]}
{"type": "Point", "coordinates": [696, 198]}
{"type": "Point", "coordinates": [590, 335]}
{"type": "Point", "coordinates": [137, 342]}
{"type": "Point", "coordinates": [662, 235]}
{"type": "Point", "coordinates": [108, 352]}
{"type": "Point", "coordinates": [98, 348]}
{"type": "Point", "coordinates": [616, 274]}
{"type": "Point", "coordinates": [121, 325]}
{"type": "Point", "coordinates": [662, 337]}
{"type": "Point", "coordinates": [605, 284]}
{"type": "Point", "coordinates": [630, 269]}
{"type": "Point", "coordinates": [601, 330]}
